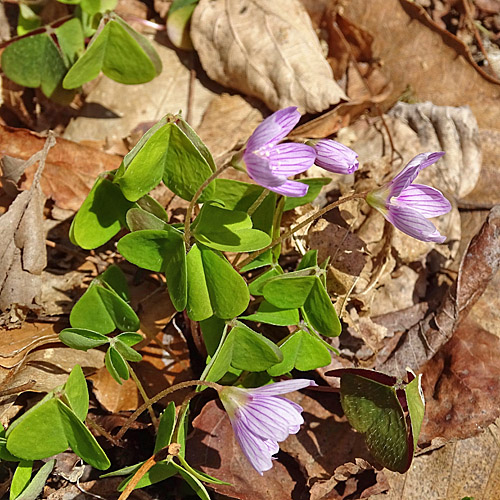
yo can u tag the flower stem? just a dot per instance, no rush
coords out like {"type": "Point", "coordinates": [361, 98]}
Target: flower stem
{"type": "Point", "coordinates": [145, 397]}
{"type": "Point", "coordinates": [299, 226]}
{"type": "Point", "coordinates": [161, 395]}
{"type": "Point", "coordinates": [257, 203]}
{"type": "Point", "coordinates": [189, 212]}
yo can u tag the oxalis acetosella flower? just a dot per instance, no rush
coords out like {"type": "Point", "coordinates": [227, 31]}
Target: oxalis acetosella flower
{"type": "Point", "coordinates": [407, 206]}
{"type": "Point", "coordinates": [261, 418]}
{"type": "Point", "coordinates": [269, 162]}
{"type": "Point", "coordinates": [334, 156]}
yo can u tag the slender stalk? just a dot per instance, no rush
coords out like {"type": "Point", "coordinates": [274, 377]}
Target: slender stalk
{"type": "Point", "coordinates": [161, 395]}
{"type": "Point", "coordinates": [299, 226]}
{"type": "Point", "coordinates": [257, 203]}
{"type": "Point", "coordinates": [192, 203]}
{"type": "Point", "coordinates": [148, 464]}
{"type": "Point", "coordinates": [145, 397]}
{"type": "Point", "coordinates": [100, 430]}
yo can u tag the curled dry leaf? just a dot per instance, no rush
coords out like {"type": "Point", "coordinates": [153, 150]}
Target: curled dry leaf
{"type": "Point", "coordinates": [265, 49]}
{"type": "Point", "coordinates": [450, 129]}
{"type": "Point", "coordinates": [479, 265]}
{"type": "Point", "coordinates": [70, 169]}
{"type": "Point", "coordinates": [462, 385]}
{"type": "Point", "coordinates": [22, 249]}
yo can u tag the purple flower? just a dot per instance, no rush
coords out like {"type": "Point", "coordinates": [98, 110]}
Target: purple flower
{"type": "Point", "coordinates": [334, 156]}
{"type": "Point", "coordinates": [261, 417]}
{"type": "Point", "coordinates": [269, 163]}
{"type": "Point", "coordinates": [407, 206]}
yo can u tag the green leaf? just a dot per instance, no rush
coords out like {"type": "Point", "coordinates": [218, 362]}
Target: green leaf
{"type": "Point", "coordinates": [102, 310]}
{"type": "Point", "coordinates": [101, 215]}
{"type": "Point", "coordinates": [199, 306]}
{"type": "Point", "coordinates": [159, 472]}
{"type": "Point", "coordinates": [251, 350]}
{"type": "Point", "coordinates": [320, 312]}
{"type": "Point", "coordinates": [138, 219]}
{"type": "Point", "coordinates": [267, 313]}
{"type": "Point", "coordinates": [4, 453]}
{"type": "Point", "coordinates": [200, 475]}
{"type": "Point", "coordinates": [257, 285]}
{"type": "Point", "coordinates": [228, 230]}
{"type": "Point", "coordinates": [315, 186]}
{"type": "Point", "coordinates": [193, 481]}
{"type": "Point", "coordinates": [21, 478]}
{"type": "Point", "coordinates": [416, 406]}
{"type": "Point", "coordinates": [178, 19]}
{"type": "Point", "coordinates": [33, 490]}
{"type": "Point", "coordinates": [288, 291]}
{"type": "Point", "coordinates": [187, 165]}
{"type": "Point", "coordinates": [71, 41]}
{"type": "Point", "coordinates": [81, 440]}
{"type": "Point", "coordinates": [240, 196]}
{"type": "Point", "coordinates": [82, 339]}
{"type": "Point", "coordinates": [228, 291]}
{"type": "Point", "coordinates": [44, 419]}
{"type": "Point", "coordinates": [212, 330]}
{"type": "Point", "coordinates": [165, 427]}
{"type": "Point", "coordinates": [120, 53]}
{"type": "Point", "coordinates": [116, 279]}
{"type": "Point", "coordinates": [160, 251]}
{"type": "Point", "coordinates": [27, 20]}
{"type": "Point", "coordinates": [34, 61]}
{"type": "Point", "coordinates": [116, 365]}
{"type": "Point", "coordinates": [302, 351]}
{"type": "Point", "coordinates": [77, 393]}
{"type": "Point", "coordinates": [127, 352]}
{"type": "Point", "coordinates": [310, 259]}
{"type": "Point", "coordinates": [130, 338]}
{"type": "Point", "coordinates": [151, 206]}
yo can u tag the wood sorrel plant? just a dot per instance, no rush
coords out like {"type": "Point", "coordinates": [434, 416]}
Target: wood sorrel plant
{"type": "Point", "coordinates": [241, 218]}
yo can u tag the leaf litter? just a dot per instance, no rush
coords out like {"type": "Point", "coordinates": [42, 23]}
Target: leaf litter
{"type": "Point", "coordinates": [403, 303]}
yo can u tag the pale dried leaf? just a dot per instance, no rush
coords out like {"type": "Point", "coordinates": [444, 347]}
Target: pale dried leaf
{"type": "Point", "coordinates": [450, 129]}
{"type": "Point", "coordinates": [22, 248]}
{"type": "Point", "coordinates": [265, 49]}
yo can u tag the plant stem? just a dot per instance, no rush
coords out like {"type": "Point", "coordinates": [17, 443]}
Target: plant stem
{"type": "Point", "coordinates": [145, 397]}
{"type": "Point", "coordinates": [256, 204]}
{"type": "Point", "coordinates": [302, 224]}
{"type": "Point", "coordinates": [189, 212]}
{"type": "Point", "coordinates": [161, 395]}
{"type": "Point", "coordinates": [137, 477]}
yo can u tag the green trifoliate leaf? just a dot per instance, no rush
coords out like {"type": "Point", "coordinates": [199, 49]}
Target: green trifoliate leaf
{"type": "Point", "coordinates": [228, 230]}
{"type": "Point", "coordinates": [165, 427]}
{"type": "Point", "coordinates": [116, 365]}
{"type": "Point", "coordinates": [35, 487]}
{"type": "Point", "coordinates": [301, 351]}
{"type": "Point", "coordinates": [119, 52]}
{"type": "Point", "coordinates": [272, 315]}
{"type": "Point", "coordinates": [388, 411]}
{"type": "Point", "coordinates": [82, 339]}
{"type": "Point", "coordinates": [76, 392]}
{"type": "Point", "coordinates": [288, 291]}
{"type": "Point", "coordinates": [21, 478]}
{"type": "Point", "coordinates": [27, 20]}
{"type": "Point", "coordinates": [101, 215]}
{"type": "Point", "coordinates": [178, 19]}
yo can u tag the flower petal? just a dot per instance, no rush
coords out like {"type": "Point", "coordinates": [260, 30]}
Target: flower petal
{"type": "Point", "coordinates": [283, 387]}
{"type": "Point", "coordinates": [291, 188]}
{"type": "Point", "coordinates": [290, 159]}
{"type": "Point", "coordinates": [335, 157]}
{"type": "Point", "coordinates": [258, 451]}
{"type": "Point", "coordinates": [410, 172]}
{"type": "Point", "coordinates": [274, 128]}
{"type": "Point", "coordinates": [270, 417]}
{"type": "Point", "coordinates": [413, 223]}
{"type": "Point", "coordinates": [428, 201]}
{"type": "Point", "coordinates": [259, 170]}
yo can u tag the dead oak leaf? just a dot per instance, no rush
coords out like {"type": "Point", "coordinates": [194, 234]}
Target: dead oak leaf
{"type": "Point", "coordinates": [265, 49]}
{"type": "Point", "coordinates": [22, 249]}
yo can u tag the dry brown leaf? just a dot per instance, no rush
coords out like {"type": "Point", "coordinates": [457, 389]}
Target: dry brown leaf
{"type": "Point", "coordinates": [213, 448]}
{"type": "Point", "coordinates": [265, 49]}
{"type": "Point", "coordinates": [418, 55]}
{"type": "Point", "coordinates": [70, 170]}
{"type": "Point", "coordinates": [479, 265]}
{"type": "Point", "coordinates": [462, 385]}
{"type": "Point", "coordinates": [449, 129]}
{"type": "Point", "coordinates": [22, 249]}
{"type": "Point", "coordinates": [227, 121]}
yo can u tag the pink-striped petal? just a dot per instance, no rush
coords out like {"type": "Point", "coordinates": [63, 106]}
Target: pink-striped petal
{"type": "Point", "coordinates": [291, 188]}
{"type": "Point", "coordinates": [290, 158]}
{"type": "Point", "coordinates": [410, 172]}
{"type": "Point", "coordinates": [335, 157]}
{"type": "Point", "coordinates": [274, 128]}
{"type": "Point", "coordinates": [258, 451]}
{"type": "Point", "coordinates": [283, 387]}
{"type": "Point", "coordinates": [428, 201]}
{"type": "Point", "coordinates": [413, 223]}
{"type": "Point", "coordinates": [258, 169]}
